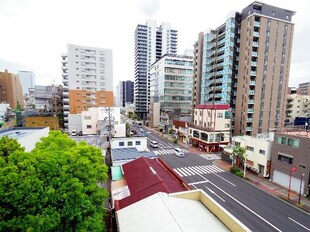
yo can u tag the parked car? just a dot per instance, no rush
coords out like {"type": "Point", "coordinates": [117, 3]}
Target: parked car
{"type": "Point", "coordinates": [73, 133]}
{"type": "Point", "coordinates": [179, 152]}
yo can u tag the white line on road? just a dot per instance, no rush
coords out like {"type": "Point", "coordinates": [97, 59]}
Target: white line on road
{"type": "Point", "coordinates": [214, 193]}
{"type": "Point", "coordinates": [247, 208]}
{"type": "Point", "coordinates": [299, 224]}
{"type": "Point", "coordinates": [178, 172]}
{"type": "Point", "coordinates": [199, 182]}
{"type": "Point", "coordinates": [224, 179]}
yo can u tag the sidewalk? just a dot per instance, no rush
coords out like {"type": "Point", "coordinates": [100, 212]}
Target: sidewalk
{"type": "Point", "coordinates": [260, 182]}
{"type": "Point", "coordinates": [269, 187]}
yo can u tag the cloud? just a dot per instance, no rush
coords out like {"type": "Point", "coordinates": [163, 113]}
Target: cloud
{"type": "Point", "coordinates": [149, 8]}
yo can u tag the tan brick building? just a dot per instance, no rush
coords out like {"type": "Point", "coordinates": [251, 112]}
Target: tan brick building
{"type": "Point", "coordinates": [51, 122]}
{"type": "Point", "coordinates": [10, 89]}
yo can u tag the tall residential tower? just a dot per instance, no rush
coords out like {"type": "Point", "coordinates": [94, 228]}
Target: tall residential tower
{"type": "Point", "coordinates": [264, 63]}
{"type": "Point", "coordinates": [151, 43]}
{"type": "Point", "coordinates": [87, 78]}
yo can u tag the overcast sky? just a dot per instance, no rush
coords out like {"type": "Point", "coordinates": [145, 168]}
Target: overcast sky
{"type": "Point", "coordinates": [34, 33]}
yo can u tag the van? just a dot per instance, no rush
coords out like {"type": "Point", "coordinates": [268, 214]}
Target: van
{"type": "Point", "coordinates": [73, 133]}
{"type": "Point", "coordinates": [153, 144]}
{"type": "Point", "coordinates": [178, 152]}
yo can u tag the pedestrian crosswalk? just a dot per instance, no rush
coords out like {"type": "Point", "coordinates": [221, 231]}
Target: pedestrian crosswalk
{"type": "Point", "coordinates": [164, 151]}
{"type": "Point", "coordinates": [197, 170]}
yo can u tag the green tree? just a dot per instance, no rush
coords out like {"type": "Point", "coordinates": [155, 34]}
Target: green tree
{"type": "Point", "coordinates": [53, 188]}
{"type": "Point", "coordinates": [238, 152]}
{"type": "Point", "coordinates": [8, 146]}
{"type": "Point", "coordinates": [127, 129]}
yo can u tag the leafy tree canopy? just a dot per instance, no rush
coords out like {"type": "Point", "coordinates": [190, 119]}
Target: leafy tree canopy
{"type": "Point", "coordinates": [52, 188]}
{"type": "Point", "coordinates": [239, 152]}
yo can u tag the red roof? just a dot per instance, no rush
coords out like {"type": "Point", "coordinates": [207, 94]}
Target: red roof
{"type": "Point", "coordinates": [146, 177]}
{"type": "Point", "coordinates": [214, 106]}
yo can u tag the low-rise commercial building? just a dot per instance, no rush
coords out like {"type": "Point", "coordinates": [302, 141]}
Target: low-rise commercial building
{"type": "Point", "coordinates": [291, 160]}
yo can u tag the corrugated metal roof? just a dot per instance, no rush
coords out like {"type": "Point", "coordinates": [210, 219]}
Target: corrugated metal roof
{"type": "Point", "coordinates": [161, 212]}
{"type": "Point", "coordinates": [146, 177]}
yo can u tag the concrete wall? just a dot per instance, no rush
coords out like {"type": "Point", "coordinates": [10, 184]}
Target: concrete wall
{"type": "Point", "coordinates": [142, 147]}
{"type": "Point", "coordinates": [231, 222]}
{"type": "Point", "coordinates": [75, 122]}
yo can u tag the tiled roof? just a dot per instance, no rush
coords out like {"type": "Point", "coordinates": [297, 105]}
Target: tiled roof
{"type": "Point", "coordinates": [213, 106]}
{"type": "Point", "coordinates": [130, 153]}
{"type": "Point", "coordinates": [148, 176]}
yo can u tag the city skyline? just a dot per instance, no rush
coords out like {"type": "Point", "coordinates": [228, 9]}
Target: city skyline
{"type": "Point", "coordinates": [38, 47]}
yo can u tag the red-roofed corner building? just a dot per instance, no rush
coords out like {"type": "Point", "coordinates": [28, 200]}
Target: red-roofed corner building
{"type": "Point", "coordinates": [146, 177]}
{"type": "Point", "coordinates": [211, 127]}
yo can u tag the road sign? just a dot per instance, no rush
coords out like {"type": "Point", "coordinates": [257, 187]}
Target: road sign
{"type": "Point", "coordinates": [293, 169]}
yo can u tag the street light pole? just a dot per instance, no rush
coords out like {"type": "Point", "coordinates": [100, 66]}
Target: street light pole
{"type": "Point", "coordinates": [244, 168]}
{"type": "Point", "coordinates": [302, 175]}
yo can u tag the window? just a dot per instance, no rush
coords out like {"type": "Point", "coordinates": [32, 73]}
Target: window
{"type": "Point", "coordinates": [204, 136]}
{"type": "Point", "coordinates": [220, 115]}
{"type": "Point", "coordinates": [281, 140]}
{"type": "Point", "coordinates": [195, 134]}
{"type": "Point", "coordinates": [129, 143]}
{"type": "Point", "coordinates": [138, 142]}
{"type": "Point", "coordinates": [227, 115]}
{"type": "Point", "coordinates": [121, 144]}
{"type": "Point", "coordinates": [285, 159]}
{"type": "Point", "coordinates": [250, 148]}
{"type": "Point", "coordinates": [88, 126]}
{"type": "Point", "coordinates": [263, 152]}
{"type": "Point", "coordinates": [237, 144]}
{"type": "Point", "coordinates": [293, 142]}
{"type": "Point", "coordinates": [227, 125]}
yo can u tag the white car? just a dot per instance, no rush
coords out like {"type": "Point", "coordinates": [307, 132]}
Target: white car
{"type": "Point", "coordinates": [153, 144]}
{"type": "Point", "coordinates": [73, 133]}
{"type": "Point", "coordinates": [179, 152]}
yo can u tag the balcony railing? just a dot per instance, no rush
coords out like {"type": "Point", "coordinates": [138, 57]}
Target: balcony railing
{"type": "Point", "coordinates": [207, 129]}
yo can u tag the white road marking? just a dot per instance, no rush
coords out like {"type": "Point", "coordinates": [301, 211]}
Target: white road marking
{"type": "Point", "coordinates": [189, 170]}
{"type": "Point", "coordinates": [199, 182]}
{"type": "Point", "coordinates": [178, 172]}
{"type": "Point", "coordinates": [214, 193]}
{"type": "Point", "coordinates": [184, 174]}
{"type": "Point", "coordinates": [247, 208]}
{"type": "Point", "coordinates": [299, 224]}
{"type": "Point", "coordinates": [185, 171]}
{"type": "Point", "coordinates": [224, 179]}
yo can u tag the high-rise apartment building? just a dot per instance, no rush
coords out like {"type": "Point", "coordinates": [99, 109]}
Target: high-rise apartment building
{"type": "Point", "coordinates": [87, 78]}
{"type": "Point", "coordinates": [126, 92]}
{"type": "Point", "coordinates": [151, 42]}
{"type": "Point", "coordinates": [266, 36]}
{"type": "Point", "coordinates": [171, 85]}
{"type": "Point", "coordinates": [216, 64]}
{"type": "Point", "coordinates": [11, 91]}
{"type": "Point", "coordinates": [27, 80]}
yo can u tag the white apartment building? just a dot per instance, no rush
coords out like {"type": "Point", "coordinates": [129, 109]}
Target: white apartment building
{"type": "Point", "coordinates": [297, 105]}
{"type": "Point", "coordinates": [87, 78]}
{"type": "Point", "coordinates": [211, 127]}
{"type": "Point", "coordinates": [151, 42]}
{"type": "Point", "coordinates": [258, 152]}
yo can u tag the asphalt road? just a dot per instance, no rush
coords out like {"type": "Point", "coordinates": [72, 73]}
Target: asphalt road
{"type": "Point", "coordinates": [258, 210]}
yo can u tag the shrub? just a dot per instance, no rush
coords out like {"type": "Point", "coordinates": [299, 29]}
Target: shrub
{"type": "Point", "coordinates": [175, 141]}
{"type": "Point", "coordinates": [239, 173]}
{"type": "Point", "coordinates": [234, 170]}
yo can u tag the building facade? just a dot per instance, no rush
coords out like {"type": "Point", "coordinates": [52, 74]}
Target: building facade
{"type": "Point", "coordinates": [126, 92]}
{"type": "Point", "coordinates": [211, 127]}
{"type": "Point", "coordinates": [266, 36]}
{"type": "Point", "coordinates": [151, 42]}
{"type": "Point", "coordinates": [87, 78]}
{"type": "Point", "coordinates": [42, 121]}
{"type": "Point", "coordinates": [296, 105]}
{"type": "Point", "coordinates": [171, 85]}
{"type": "Point", "coordinates": [11, 90]}
{"type": "Point", "coordinates": [27, 80]}
{"type": "Point", "coordinates": [304, 88]}
{"type": "Point", "coordinates": [290, 157]}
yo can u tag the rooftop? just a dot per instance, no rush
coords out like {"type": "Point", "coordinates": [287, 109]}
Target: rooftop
{"type": "Point", "coordinates": [185, 211]}
{"type": "Point", "coordinates": [213, 106]}
{"type": "Point", "coordinates": [130, 153]}
{"type": "Point", "coordinates": [146, 177]}
{"type": "Point", "coordinates": [17, 133]}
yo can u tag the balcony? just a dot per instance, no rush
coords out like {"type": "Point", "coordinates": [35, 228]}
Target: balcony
{"type": "Point", "coordinates": [253, 73]}
{"type": "Point", "coordinates": [249, 119]}
{"type": "Point", "coordinates": [248, 128]}
{"type": "Point", "coordinates": [256, 24]}
{"type": "Point", "coordinates": [254, 54]}
{"type": "Point", "coordinates": [255, 44]}
{"type": "Point", "coordinates": [250, 111]}
{"type": "Point", "coordinates": [252, 92]}
{"type": "Point", "coordinates": [251, 102]}
{"type": "Point", "coordinates": [254, 64]}
{"type": "Point", "coordinates": [252, 83]}
{"type": "Point", "coordinates": [256, 34]}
